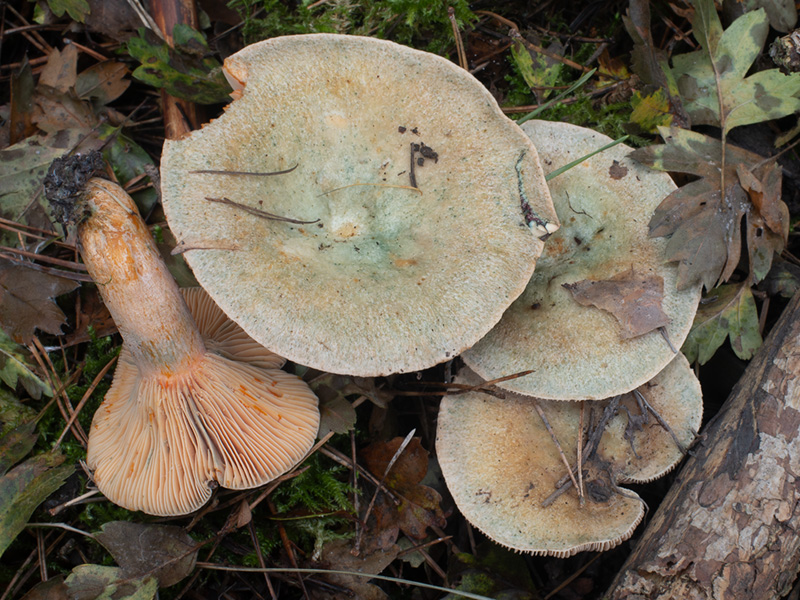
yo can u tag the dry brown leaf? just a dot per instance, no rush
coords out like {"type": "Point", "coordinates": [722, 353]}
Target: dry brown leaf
{"type": "Point", "coordinates": [61, 70]}
{"type": "Point", "coordinates": [26, 301]}
{"type": "Point", "coordinates": [633, 299]}
{"type": "Point", "coordinates": [419, 504]}
{"type": "Point", "coordinates": [705, 225]}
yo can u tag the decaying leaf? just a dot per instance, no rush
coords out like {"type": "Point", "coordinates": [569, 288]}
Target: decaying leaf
{"type": "Point", "coordinates": [540, 72]}
{"type": "Point", "coordinates": [649, 62]}
{"type": "Point", "coordinates": [26, 301]}
{"type": "Point", "coordinates": [15, 368]}
{"type": "Point", "coordinates": [633, 299]}
{"type": "Point", "coordinates": [728, 311]}
{"type": "Point", "coordinates": [22, 170]}
{"type": "Point", "coordinates": [651, 111]}
{"type": "Point", "coordinates": [419, 504]}
{"type": "Point", "coordinates": [783, 279]}
{"type": "Point", "coordinates": [492, 571]}
{"type": "Point", "coordinates": [143, 550]}
{"type": "Point", "coordinates": [713, 80]}
{"type": "Point", "coordinates": [705, 225]}
{"type": "Point", "coordinates": [24, 487]}
{"type": "Point", "coordinates": [337, 556]}
{"type": "Point", "coordinates": [78, 10]}
{"type": "Point", "coordinates": [185, 70]}
{"type": "Point", "coordinates": [108, 583]}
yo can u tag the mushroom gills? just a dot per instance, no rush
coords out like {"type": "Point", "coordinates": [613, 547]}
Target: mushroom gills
{"type": "Point", "coordinates": [192, 403]}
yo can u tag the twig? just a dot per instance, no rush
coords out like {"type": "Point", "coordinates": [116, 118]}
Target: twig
{"type": "Point", "coordinates": [259, 213]}
{"type": "Point", "coordinates": [552, 433]}
{"type": "Point", "coordinates": [462, 55]}
{"type": "Point", "coordinates": [84, 399]}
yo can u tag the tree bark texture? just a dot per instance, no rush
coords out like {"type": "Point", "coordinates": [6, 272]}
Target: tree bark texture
{"type": "Point", "coordinates": [728, 528]}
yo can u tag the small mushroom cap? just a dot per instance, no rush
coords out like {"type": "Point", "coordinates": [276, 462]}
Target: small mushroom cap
{"type": "Point", "coordinates": [577, 352]}
{"type": "Point", "coordinates": [157, 444]}
{"type": "Point", "coordinates": [384, 276]}
{"type": "Point", "coordinates": [500, 463]}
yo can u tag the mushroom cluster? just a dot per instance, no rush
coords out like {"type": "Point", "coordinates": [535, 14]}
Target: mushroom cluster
{"type": "Point", "coordinates": [371, 203]}
{"type": "Point", "coordinates": [194, 400]}
{"type": "Point", "coordinates": [646, 405]}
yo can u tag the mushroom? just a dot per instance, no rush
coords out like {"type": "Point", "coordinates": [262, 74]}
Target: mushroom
{"type": "Point", "coordinates": [403, 214]}
{"type": "Point", "coordinates": [503, 470]}
{"type": "Point", "coordinates": [578, 352]}
{"type": "Point", "coordinates": [193, 401]}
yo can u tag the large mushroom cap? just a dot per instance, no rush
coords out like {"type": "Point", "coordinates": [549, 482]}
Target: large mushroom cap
{"type": "Point", "coordinates": [158, 444]}
{"type": "Point", "coordinates": [390, 273]}
{"type": "Point", "coordinates": [578, 352]}
{"type": "Point", "coordinates": [500, 463]}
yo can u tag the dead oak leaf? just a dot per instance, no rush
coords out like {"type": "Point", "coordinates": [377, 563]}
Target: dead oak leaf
{"type": "Point", "coordinates": [634, 300]}
{"type": "Point", "coordinates": [419, 504]}
{"type": "Point", "coordinates": [704, 223]}
{"type": "Point", "coordinates": [26, 301]}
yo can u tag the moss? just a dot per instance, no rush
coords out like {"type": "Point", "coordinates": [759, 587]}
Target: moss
{"type": "Point", "coordinates": [418, 23]}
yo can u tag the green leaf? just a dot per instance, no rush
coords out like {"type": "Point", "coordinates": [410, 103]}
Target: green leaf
{"type": "Point", "coordinates": [13, 413]}
{"type": "Point", "coordinates": [16, 444]}
{"type": "Point", "coordinates": [25, 487]}
{"type": "Point", "coordinates": [537, 70]}
{"type": "Point", "coordinates": [14, 369]}
{"type": "Point", "coordinates": [78, 9]}
{"type": "Point", "coordinates": [108, 583]}
{"type": "Point", "coordinates": [128, 160]}
{"type": "Point", "coordinates": [185, 71]}
{"type": "Point", "coordinates": [728, 311]}
{"type": "Point", "coordinates": [712, 80]}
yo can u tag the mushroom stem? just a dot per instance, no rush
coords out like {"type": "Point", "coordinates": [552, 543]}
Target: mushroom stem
{"type": "Point", "coordinates": [194, 399]}
{"type": "Point", "coordinates": [136, 286]}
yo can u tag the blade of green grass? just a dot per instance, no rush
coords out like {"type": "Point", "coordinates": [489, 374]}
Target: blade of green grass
{"type": "Point", "coordinates": [216, 567]}
{"type": "Point", "coordinates": [568, 166]}
{"type": "Point", "coordinates": [533, 114]}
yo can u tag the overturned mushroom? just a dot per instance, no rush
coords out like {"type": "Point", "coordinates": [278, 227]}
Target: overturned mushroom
{"type": "Point", "coordinates": [504, 471]}
{"type": "Point", "coordinates": [579, 351]}
{"type": "Point", "coordinates": [370, 203]}
{"type": "Point", "coordinates": [190, 404]}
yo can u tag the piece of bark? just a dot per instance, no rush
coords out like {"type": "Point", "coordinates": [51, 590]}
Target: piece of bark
{"type": "Point", "coordinates": [729, 527]}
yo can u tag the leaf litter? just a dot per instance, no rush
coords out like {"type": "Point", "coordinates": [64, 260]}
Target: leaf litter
{"type": "Point", "coordinates": [754, 210]}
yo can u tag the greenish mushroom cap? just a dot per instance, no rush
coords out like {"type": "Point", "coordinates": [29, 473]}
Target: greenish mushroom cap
{"type": "Point", "coordinates": [578, 352]}
{"type": "Point", "coordinates": [388, 273]}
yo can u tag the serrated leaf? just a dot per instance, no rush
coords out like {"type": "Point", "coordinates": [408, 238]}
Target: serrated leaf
{"type": "Point", "coordinates": [336, 415]}
{"type": "Point", "coordinates": [165, 552]}
{"type": "Point", "coordinates": [728, 312]}
{"type": "Point", "coordinates": [705, 226]}
{"type": "Point", "coordinates": [25, 487]}
{"type": "Point", "coordinates": [652, 111]}
{"type": "Point", "coordinates": [108, 583]}
{"type": "Point", "coordinates": [78, 9]}
{"type": "Point", "coordinates": [26, 301]}
{"type": "Point", "coordinates": [15, 369]}
{"type": "Point", "coordinates": [185, 71]}
{"type": "Point", "coordinates": [712, 80]}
